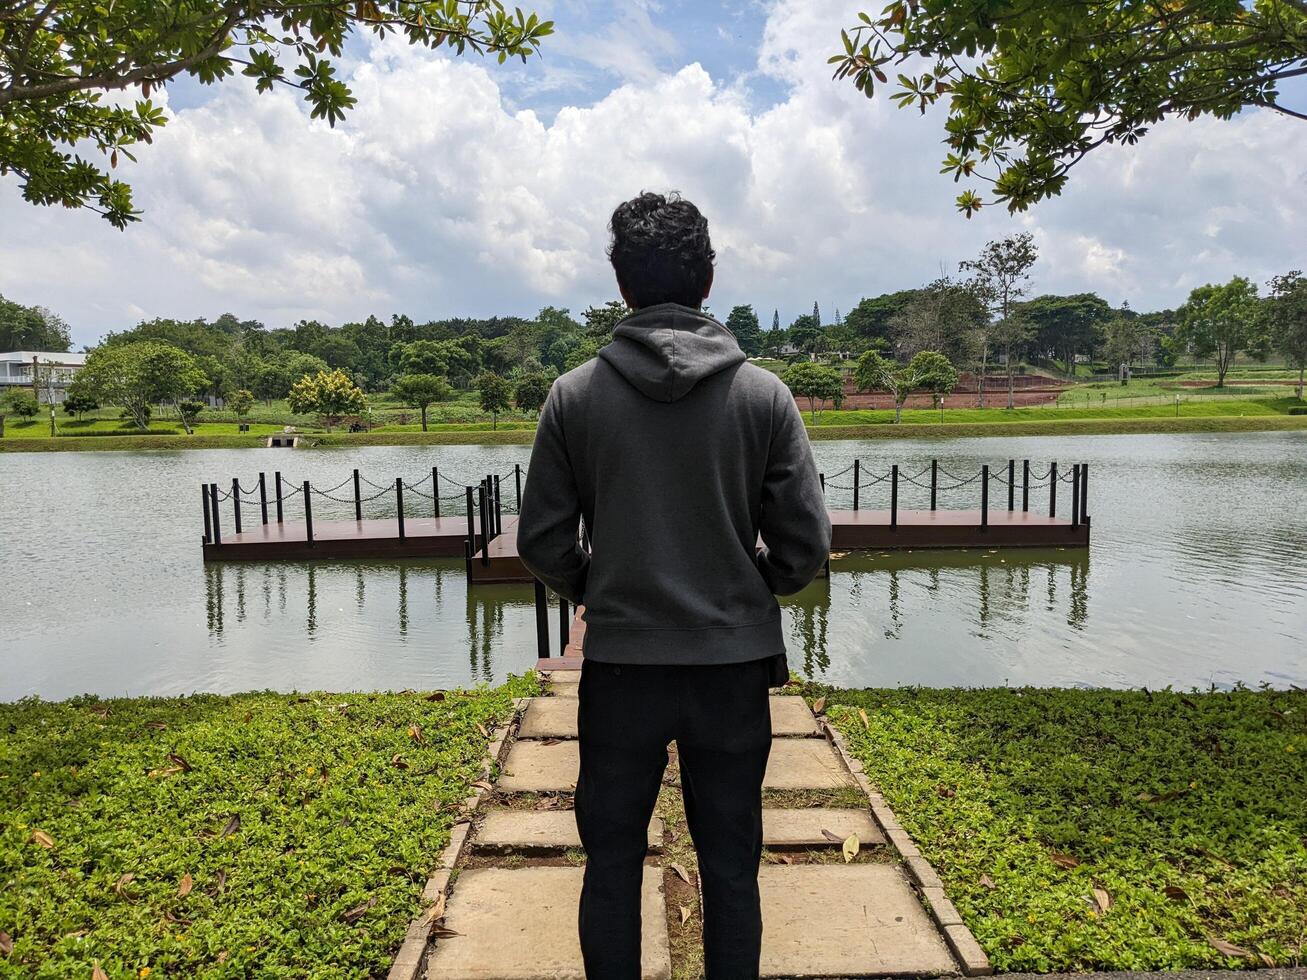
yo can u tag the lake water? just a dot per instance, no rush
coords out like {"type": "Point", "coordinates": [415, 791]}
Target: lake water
{"type": "Point", "coordinates": [1197, 576]}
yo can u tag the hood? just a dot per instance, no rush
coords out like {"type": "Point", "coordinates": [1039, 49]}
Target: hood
{"type": "Point", "coordinates": [665, 350]}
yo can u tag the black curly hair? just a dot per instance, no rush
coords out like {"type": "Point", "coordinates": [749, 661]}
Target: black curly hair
{"type": "Point", "coordinates": [661, 251]}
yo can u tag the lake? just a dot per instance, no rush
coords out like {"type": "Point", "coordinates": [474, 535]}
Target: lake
{"type": "Point", "coordinates": [1197, 576]}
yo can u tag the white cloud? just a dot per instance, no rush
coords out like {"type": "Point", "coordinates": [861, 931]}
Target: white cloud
{"type": "Point", "coordinates": [436, 197]}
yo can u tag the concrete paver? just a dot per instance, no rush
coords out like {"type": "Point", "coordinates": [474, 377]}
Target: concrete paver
{"type": "Point", "coordinates": [803, 827]}
{"type": "Point", "coordinates": [805, 763]}
{"type": "Point", "coordinates": [534, 767]}
{"type": "Point", "coordinates": [856, 920]}
{"type": "Point", "coordinates": [520, 924]}
{"type": "Point", "coordinates": [791, 715]}
{"type": "Point", "coordinates": [553, 717]}
{"type": "Point", "coordinates": [541, 829]}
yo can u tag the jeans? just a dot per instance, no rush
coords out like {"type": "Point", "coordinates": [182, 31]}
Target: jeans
{"type": "Point", "coordinates": [720, 719]}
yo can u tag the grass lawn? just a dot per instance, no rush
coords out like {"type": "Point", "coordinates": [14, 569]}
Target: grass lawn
{"type": "Point", "coordinates": [254, 835]}
{"type": "Point", "coordinates": [39, 428]}
{"type": "Point", "coordinates": [1099, 829]}
{"type": "Point", "coordinates": [927, 416]}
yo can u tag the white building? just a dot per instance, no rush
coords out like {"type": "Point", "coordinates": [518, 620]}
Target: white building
{"type": "Point", "coordinates": [47, 373]}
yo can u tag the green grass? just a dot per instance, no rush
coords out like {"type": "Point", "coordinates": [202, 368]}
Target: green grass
{"type": "Point", "coordinates": [926, 416]}
{"type": "Point", "coordinates": [104, 428]}
{"type": "Point", "coordinates": [1188, 811]}
{"type": "Point", "coordinates": [342, 815]}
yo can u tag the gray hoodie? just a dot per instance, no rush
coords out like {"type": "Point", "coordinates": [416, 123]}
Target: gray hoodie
{"type": "Point", "coordinates": [678, 454]}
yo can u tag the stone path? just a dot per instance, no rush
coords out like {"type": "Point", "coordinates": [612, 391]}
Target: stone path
{"type": "Point", "coordinates": [503, 904]}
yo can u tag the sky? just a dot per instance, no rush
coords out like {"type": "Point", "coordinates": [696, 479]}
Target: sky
{"type": "Point", "coordinates": [458, 187]}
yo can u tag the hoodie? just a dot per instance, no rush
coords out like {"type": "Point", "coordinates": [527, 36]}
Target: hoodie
{"type": "Point", "coordinates": [678, 455]}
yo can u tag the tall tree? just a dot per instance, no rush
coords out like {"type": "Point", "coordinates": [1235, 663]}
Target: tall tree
{"type": "Point", "coordinates": [1221, 321]}
{"type": "Point", "coordinates": [57, 60]}
{"type": "Point", "coordinates": [531, 392]}
{"type": "Point", "coordinates": [816, 313]}
{"type": "Point", "coordinates": [1066, 326]}
{"type": "Point", "coordinates": [815, 382]}
{"type": "Point", "coordinates": [943, 316]}
{"type": "Point", "coordinates": [31, 327]}
{"type": "Point", "coordinates": [871, 318]}
{"type": "Point", "coordinates": [496, 393]}
{"type": "Point", "coordinates": [743, 322]}
{"type": "Point", "coordinates": [1002, 274]}
{"type": "Point", "coordinates": [421, 391]}
{"type": "Point", "coordinates": [1032, 88]}
{"type": "Point", "coordinates": [1126, 339]}
{"type": "Point", "coordinates": [600, 320]}
{"type": "Point", "coordinates": [928, 370]}
{"type": "Point", "coordinates": [139, 375]}
{"type": "Point", "coordinates": [1287, 315]}
{"type": "Point", "coordinates": [775, 319]}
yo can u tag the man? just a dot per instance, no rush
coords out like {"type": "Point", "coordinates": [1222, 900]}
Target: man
{"type": "Point", "coordinates": [677, 453]}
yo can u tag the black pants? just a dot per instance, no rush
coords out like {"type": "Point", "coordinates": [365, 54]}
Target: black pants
{"type": "Point", "coordinates": [720, 720]}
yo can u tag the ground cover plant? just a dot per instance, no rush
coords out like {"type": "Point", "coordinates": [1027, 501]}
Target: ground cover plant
{"type": "Point", "coordinates": [1102, 829]}
{"type": "Point", "coordinates": [254, 835]}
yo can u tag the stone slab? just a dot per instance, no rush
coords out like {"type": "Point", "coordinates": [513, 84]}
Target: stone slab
{"type": "Point", "coordinates": [520, 924]}
{"type": "Point", "coordinates": [553, 717]}
{"type": "Point", "coordinates": [534, 767]}
{"type": "Point", "coordinates": [805, 763]}
{"type": "Point", "coordinates": [803, 827]}
{"type": "Point", "coordinates": [791, 716]}
{"type": "Point", "coordinates": [541, 829]}
{"type": "Point", "coordinates": [857, 920]}
{"type": "Point", "coordinates": [565, 679]}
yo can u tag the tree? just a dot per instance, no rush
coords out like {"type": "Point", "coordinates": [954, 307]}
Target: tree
{"type": "Point", "coordinates": [815, 382]}
{"type": "Point", "coordinates": [872, 318]}
{"type": "Point", "coordinates": [30, 327]}
{"type": "Point", "coordinates": [1126, 339]}
{"type": "Point", "coordinates": [424, 357]}
{"type": "Point", "coordinates": [495, 394]}
{"type": "Point", "coordinates": [421, 390]}
{"type": "Point", "coordinates": [77, 402]}
{"type": "Point", "coordinates": [1287, 316]}
{"type": "Point", "coordinates": [531, 392]}
{"type": "Point", "coordinates": [816, 313]}
{"type": "Point", "coordinates": [240, 402]}
{"type": "Point", "coordinates": [1221, 321]}
{"type": "Point", "coordinates": [943, 316]}
{"type": "Point", "coordinates": [275, 377]}
{"type": "Point", "coordinates": [928, 370]}
{"type": "Point", "coordinates": [775, 320]}
{"type": "Point", "coordinates": [1033, 88]}
{"type": "Point", "coordinates": [806, 334]}
{"type": "Point", "coordinates": [600, 320]}
{"type": "Point", "coordinates": [581, 353]}
{"type": "Point", "coordinates": [137, 375]}
{"type": "Point", "coordinates": [57, 60]}
{"type": "Point", "coordinates": [329, 394]}
{"type": "Point", "coordinates": [1002, 276]}
{"type": "Point", "coordinates": [188, 411]}
{"type": "Point", "coordinates": [1067, 325]}
{"type": "Point", "coordinates": [21, 403]}
{"type": "Point", "coordinates": [743, 322]}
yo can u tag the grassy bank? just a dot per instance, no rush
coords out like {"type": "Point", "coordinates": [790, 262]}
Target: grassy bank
{"type": "Point", "coordinates": [1083, 830]}
{"type": "Point", "coordinates": [255, 835]}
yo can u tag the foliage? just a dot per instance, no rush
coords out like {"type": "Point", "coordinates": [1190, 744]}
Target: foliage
{"type": "Point", "coordinates": [274, 376]}
{"type": "Point", "coordinates": [421, 390]}
{"type": "Point", "coordinates": [58, 59]}
{"type": "Point", "coordinates": [1126, 340]}
{"type": "Point", "coordinates": [330, 394]}
{"type": "Point", "coordinates": [600, 320]}
{"type": "Point", "coordinates": [815, 382]}
{"type": "Point", "coordinates": [1002, 276]}
{"type": "Point", "coordinates": [30, 327]}
{"type": "Point", "coordinates": [496, 393]}
{"type": "Point", "coordinates": [76, 402]}
{"type": "Point", "coordinates": [188, 412]}
{"type": "Point", "coordinates": [254, 835]}
{"type": "Point", "coordinates": [806, 334]}
{"type": "Point", "coordinates": [743, 322]}
{"type": "Point", "coordinates": [581, 353]}
{"type": "Point", "coordinates": [944, 316]}
{"type": "Point", "coordinates": [531, 392]}
{"type": "Point", "coordinates": [21, 402]}
{"type": "Point", "coordinates": [927, 371]}
{"type": "Point", "coordinates": [1221, 321]}
{"type": "Point", "coordinates": [1100, 829]}
{"type": "Point", "coordinates": [1067, 325]}
{"type": "Point", "coordinates": [241, 401]}
{"type": "Point", "coordinates": [1031, 89]}
{"type": "Point", "coordinates": [1287, 315]}
{"type": "Point", "coordinates": [137, 375]}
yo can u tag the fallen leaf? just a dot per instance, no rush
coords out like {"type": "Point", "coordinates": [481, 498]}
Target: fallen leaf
{"type": "Point", "coordinates": [1175, 893]}
{"type": "Point", "coordinates": [485, 732]}
{"type": "Point", "coordinates": [156, 725]}
{"type": "Point", "coordinates": [356, 913]}
{"type": "Point", "coordinates": [102, 710]}
{"type": "Point", "coordinates": [685, 915]}
{"type": "Point", "coordinates": [945, 792]}
{"type": "Point", "coordinates": [398, 761]}
{"type": "Point", "coordinates": [97, 972]}
{"type": "Point", "coordinates": [550, 741]}
{"type": "Point", "coordinates": [415, 733]}
{"type": "Point", "coordinates": [219, 884]}
{"type": "Point", "coordinates": [1229, 949]}
{"type": "Point", "coordinates": [1064, 860]}
{"type": "Point", "coordinates": [862, 713]}
{"type": "Point", "coordinates": [681, 873]}
{"type": "Point", "coordinates": [6, 943]}
{"type": "Point", "coordinates": [436, 696]}
{"type": "Point", "coordinates": [819, 705]}
{"type": "Point", "coordinates": [850, 848]}
{"type": "Point", "coordinates": [187, 883]}
{"type": "Point", "coordinates": [42, 838]}
{"type": "Point", "coordinates": [177, 760]}
{"type": "Point", "coordinates": [1267, 961]}
{"type": "Point", "coordinates": [831, 836]}
{"type": "Point", "coordinates": [232, 825]}
{"type": "Point", "coordinates": [120, 888]}
{"type": "Point", "coordinates": [486, 785]}
{"type": "Point", "coordinates": [1102, 900]}
{"type": "Point", "coordinates": [441, 932]}
{"type": "Point", "coordinates": [437, 910]}
{"type": "Point", "coordinates": [987, 882]}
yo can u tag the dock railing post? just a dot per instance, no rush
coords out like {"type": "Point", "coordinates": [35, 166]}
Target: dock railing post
{"type": "Point", "coordinates": [204, 495]}
{"type": "Point", "coordinates": [469, 548]}
{"type": "Point", "coordinates": [499, 510]}
{"type": "Point", "coordinates": [934, 482]}
{"type": "Point", "coordinates": [822, 478]}
{"type": "Point", "coordinates": [358, 498]}
{"type": "Point", "coordinates": [517, 483]}
{"type": "Point", "coordinates": [984, 497]}
{"type": "Point", "coordinates": [213, 507]}
{"type": "Point", "coordinates": [1075, 495]}
{"type": "Point", "coordinates": [1011, 484]}
{"type": "Point", "coordinates": [308, 514]}
{"type": "Point", "coordinates": [276, 479]}
{"type": "Point", "coordinates": [483, 499]}
{"type": "Point", "coordinates": [542, 614]}
{"type": "Point", "coordinates": [894, 495]}
{"type": "Point", "coordinates": [1052, 489]}
{"type": "Point", "coordinates": [236, 503]}
{"type": "Point", "coordinates": [435, 491]}
{"type": "Point", "coordinates": [564, 627]}
{"type": "Point", "coordinates": [857, 473]}
{"type": "Point", "coordinates": [399, 504]}
{"type": "Point", "coordinates": [263, 496]}
{"type": "Point", "coordinates": [1084, 493]}
{"type": "Point", "coordinates": [1025, 486]}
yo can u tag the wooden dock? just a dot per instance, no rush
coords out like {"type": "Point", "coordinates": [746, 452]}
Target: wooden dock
{"type": "Point", "coordinates": [424, 537]}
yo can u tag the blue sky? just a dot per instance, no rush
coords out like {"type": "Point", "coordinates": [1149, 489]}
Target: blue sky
{"type": "Point", "coordinates": [460, 187]}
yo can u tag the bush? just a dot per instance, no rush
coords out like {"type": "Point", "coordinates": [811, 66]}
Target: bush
{"type": "Point", "coordinates": [1298, 410]}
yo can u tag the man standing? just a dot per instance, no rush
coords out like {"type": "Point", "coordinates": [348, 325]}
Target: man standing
{"type": "Point", "coordinates": [678, 454]}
